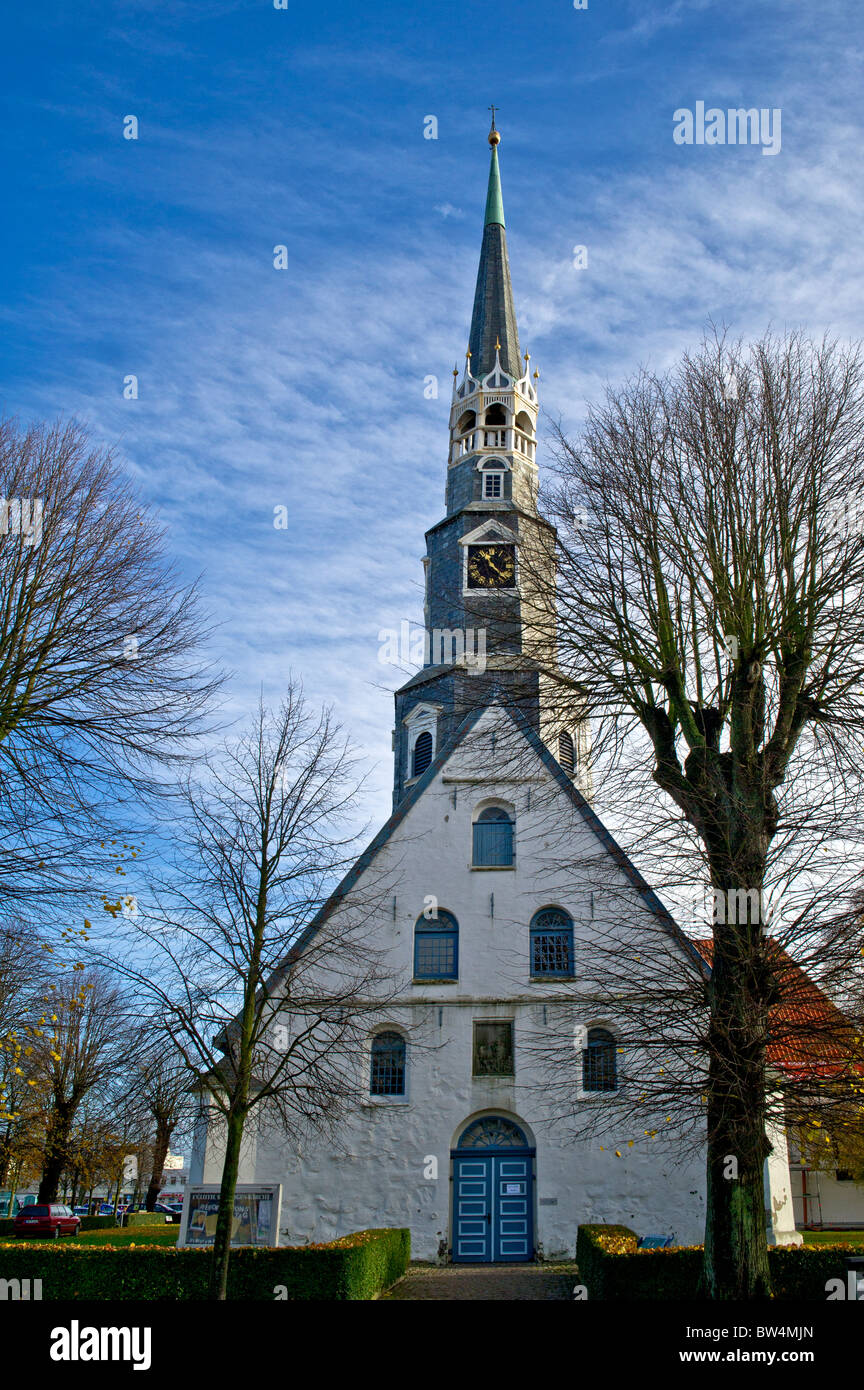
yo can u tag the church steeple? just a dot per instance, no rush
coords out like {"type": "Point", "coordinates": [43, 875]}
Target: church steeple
{"type": "Point", "coordinates": [490, 564]}
{"type": "Point", "coordinates": [494, 318]}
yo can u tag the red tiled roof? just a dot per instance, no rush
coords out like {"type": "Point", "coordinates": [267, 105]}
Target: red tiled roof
{"type": "Point", "coordinates": [808, 1034]}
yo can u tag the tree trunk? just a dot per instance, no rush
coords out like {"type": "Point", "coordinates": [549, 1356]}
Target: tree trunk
{"type": "Point", "coordinates": [13, 1188]}
{"type": "Point", "coordinates": [160, 1153]}
{"type": "Point", "coordinates": [225, 1219]}
{"type": "Point", "coordinates": [5, 1154]}
{"type": "Point", "coordinates": [56, 1148]}
{"type": "Point", "coordinates": [735, 1263]}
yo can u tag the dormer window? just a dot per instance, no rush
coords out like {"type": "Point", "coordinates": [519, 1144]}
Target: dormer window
{"type": "Point", "coordinates": [493, 479]}
{"type": "Point", "coordinates": [422, 754]}
{"type": "Point", "coordinates": [421, 740]}
{"type": "Point", "coordinates": [566, 752]}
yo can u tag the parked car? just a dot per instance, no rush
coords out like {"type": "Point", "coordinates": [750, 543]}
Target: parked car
{"type": "Point", "coordinates": [170, 1210]}
{"type": "Point", "coordinates": [81, 1211]}
{"type": "Point", "coordinates": [46, 1219]}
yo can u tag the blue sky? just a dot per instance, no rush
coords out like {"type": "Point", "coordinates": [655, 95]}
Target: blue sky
{"type": "Point", "coordinates": [304, 387]}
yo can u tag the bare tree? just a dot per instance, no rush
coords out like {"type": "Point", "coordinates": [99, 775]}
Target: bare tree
{"type": "Point", "coordinates": [99, 682]}
{"type": "Point", "coordinates": [267, 1014]}
{"type": "Point", "coordinates": [165, 1088]}
{"type": "Point", "coordinates": [711, 555]}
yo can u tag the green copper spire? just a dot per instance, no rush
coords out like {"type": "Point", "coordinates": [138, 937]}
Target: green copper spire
{"type": "Point", "coordinates": [494, 201]}
{"type": "Point", "coordinates": [494, 318]}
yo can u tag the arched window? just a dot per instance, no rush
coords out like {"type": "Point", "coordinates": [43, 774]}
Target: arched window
{"type": "Point", "coordinates": [388, 1065]}
{"type": "Point", "coordinates": [523, 422]}
{"type": "Point", "coordinates": [552, 943]}
{"type": "Point", "coordinates": [436, 947]}
{"type": "Point", "coordinates": [493, 478]}
{"type": "Point", "coordinates": [422, 755]}
{"type": "Point", "coordinates": [493, 838]}
{"type": "Point", "coordinates": [492, 1132]}
{"type": "Point", "coordinates": [566, 755]}
{"type": "Point", "coordinates": [599, 1062]}
{"type": "Point", "coordinates": [495, 415]}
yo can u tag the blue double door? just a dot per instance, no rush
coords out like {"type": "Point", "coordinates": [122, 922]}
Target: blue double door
{"type": "Point", "coordinates": [493, 1208]}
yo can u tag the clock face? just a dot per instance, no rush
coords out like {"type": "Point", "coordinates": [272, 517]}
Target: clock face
{"type": "Point", "coordinates": [491, 566]}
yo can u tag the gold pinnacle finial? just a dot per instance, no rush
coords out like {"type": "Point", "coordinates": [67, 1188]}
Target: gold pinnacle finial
{"type": "Point", "coordinates": [497, 343]}
{"type": "Point", "coordinates": [455, 370]}
{"type": "Point", "coordinates": [468, 353]}
{"type": "Point", "coordinates": [494, 137]}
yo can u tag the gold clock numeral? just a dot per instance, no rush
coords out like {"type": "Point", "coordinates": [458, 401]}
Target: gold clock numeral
{"type": "Point", "coordinates": [492, 566]}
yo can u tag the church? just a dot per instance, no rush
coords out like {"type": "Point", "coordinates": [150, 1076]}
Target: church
{"type": "Point", "coordinates": [500, 877]}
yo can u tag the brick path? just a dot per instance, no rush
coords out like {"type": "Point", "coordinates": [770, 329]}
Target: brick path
{"type": "Point", "coordinates": [484, 1282]}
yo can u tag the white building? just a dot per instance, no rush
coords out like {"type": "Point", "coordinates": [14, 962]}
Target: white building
{"type": "Point", "coordinates": [504, 881]}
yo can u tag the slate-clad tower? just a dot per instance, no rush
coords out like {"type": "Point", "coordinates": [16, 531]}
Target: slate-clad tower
{"type": "Point", "coordinates": [489, 609]}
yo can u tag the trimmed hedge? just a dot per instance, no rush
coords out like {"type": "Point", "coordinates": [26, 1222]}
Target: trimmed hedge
{"type": "Point", "coordinates": [145, 1218]}
{"type": "Point", "coordinates": [803, 1273]}
{"type": "Point", "coordinates": [356, 1267]}
{"type": "Point", "coordinates": [611, 1267]}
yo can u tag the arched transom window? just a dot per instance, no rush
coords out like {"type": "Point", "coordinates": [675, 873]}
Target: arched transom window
{"type": "Point", "coordinates": [436, 947]}
{"type": "Point", "coordinates": [552, 943]}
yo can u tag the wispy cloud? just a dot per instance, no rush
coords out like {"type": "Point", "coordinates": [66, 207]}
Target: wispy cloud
{"type": "Point", "coordinates": [304, 388]}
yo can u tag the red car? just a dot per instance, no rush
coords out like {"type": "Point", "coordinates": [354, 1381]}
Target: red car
{"type": "Point", "coordinates": [43, 1220]}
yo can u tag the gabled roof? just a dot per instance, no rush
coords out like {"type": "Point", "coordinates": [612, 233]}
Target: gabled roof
{"type": "Point", "coordinates": [809, 1037]}
{"type": "Point", "coordinates": [591, 819]}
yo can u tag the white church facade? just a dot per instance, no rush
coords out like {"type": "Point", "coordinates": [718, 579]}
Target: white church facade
{"type": "Point", "coordinates": [503, 880]}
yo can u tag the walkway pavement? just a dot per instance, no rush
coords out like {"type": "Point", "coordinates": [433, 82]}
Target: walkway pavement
{"type": "Point", "coordinates": [484, 1282]}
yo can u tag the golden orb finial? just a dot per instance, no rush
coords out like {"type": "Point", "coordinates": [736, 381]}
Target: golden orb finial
{"type": "Point", "coordinates": [494, 137]}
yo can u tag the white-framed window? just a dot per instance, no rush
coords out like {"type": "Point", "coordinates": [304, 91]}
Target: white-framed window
{"type": "Point", "coordinates": [493, 485]}
{"type": "Point", "coordinates": [421, 753]}
{"type": "Point", "coordinates": [421, 725]}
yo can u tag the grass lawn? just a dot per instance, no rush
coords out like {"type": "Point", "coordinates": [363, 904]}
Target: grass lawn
{"type": "Point", "coordinates": [137, 1235]}
{"type": "Point", "coordinates": [833, 1237]}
